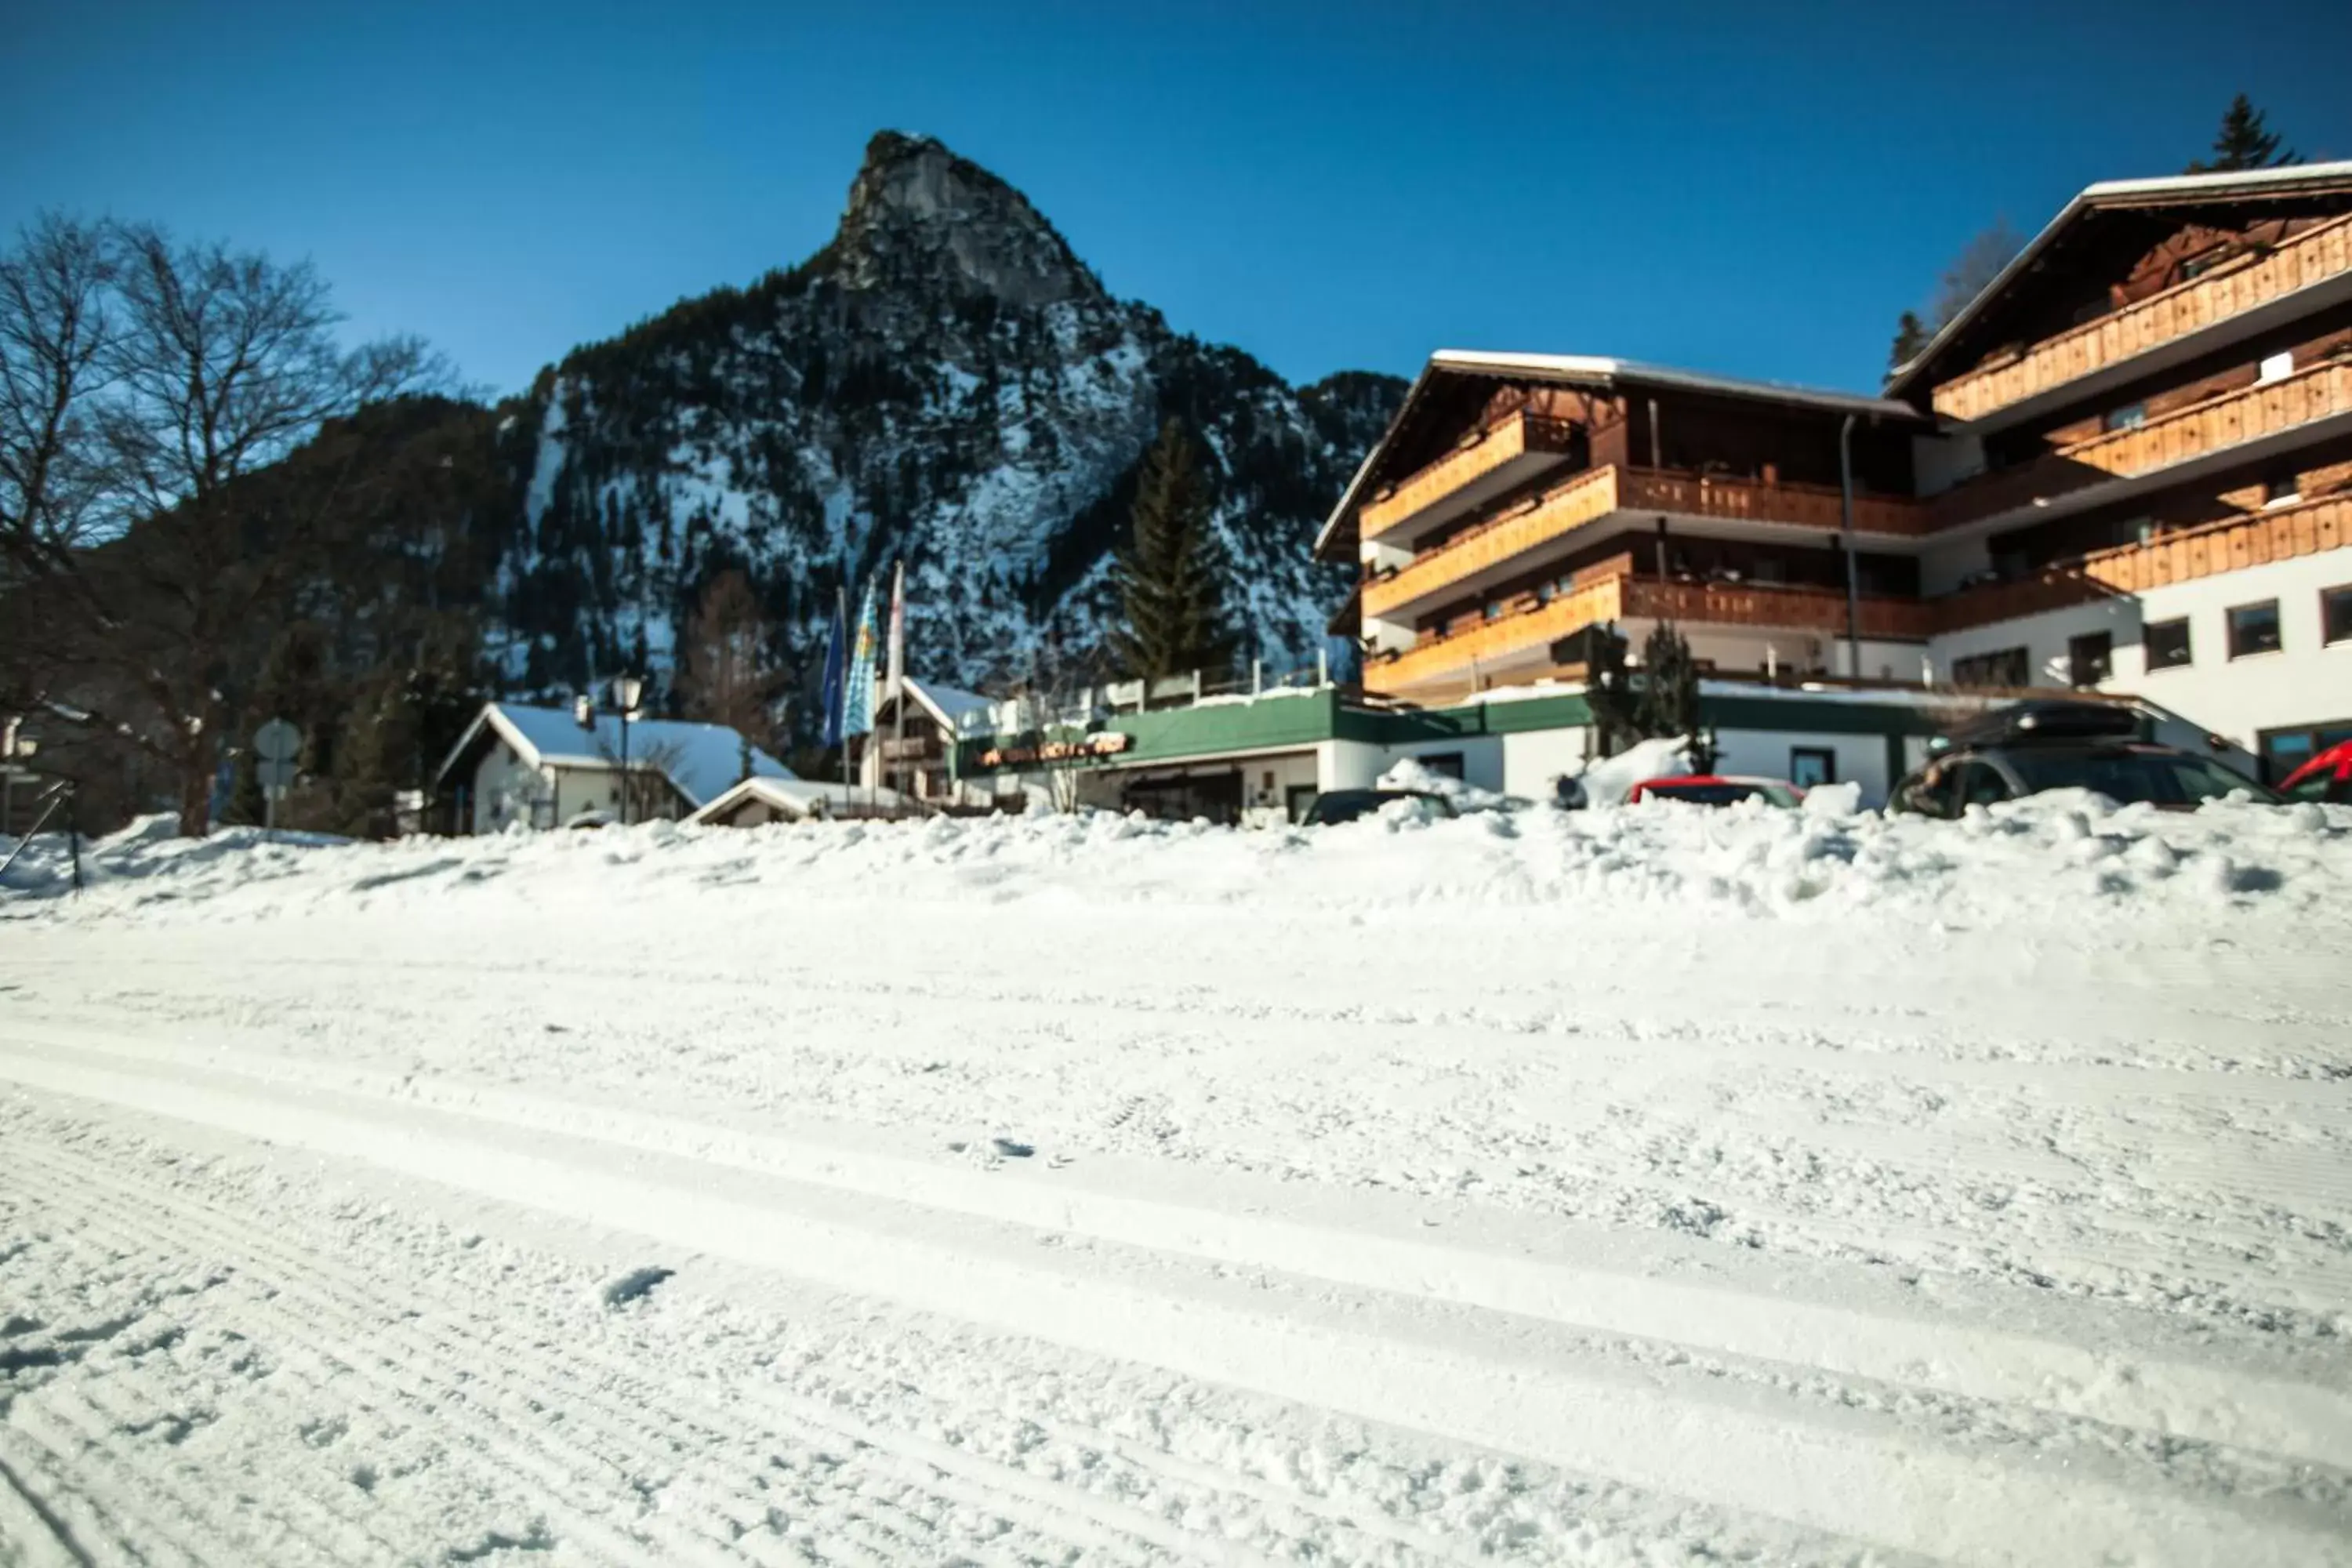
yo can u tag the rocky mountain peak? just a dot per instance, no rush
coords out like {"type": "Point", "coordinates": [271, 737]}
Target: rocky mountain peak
{"type": "Point", "coordinates": [921, 217]}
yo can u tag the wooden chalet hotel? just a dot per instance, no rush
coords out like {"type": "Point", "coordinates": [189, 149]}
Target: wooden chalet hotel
{"type": "Point", "coordinates": [2127, 465]}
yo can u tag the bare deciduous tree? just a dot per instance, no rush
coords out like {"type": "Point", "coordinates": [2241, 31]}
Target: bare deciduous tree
{"type": "Point", "coordinates": [151, 384]}
{"type": "Point", "coordinates": [724, 673]}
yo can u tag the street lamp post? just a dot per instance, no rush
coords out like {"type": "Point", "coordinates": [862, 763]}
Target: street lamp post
{"type": "Point", "coordinates": [627, 691]}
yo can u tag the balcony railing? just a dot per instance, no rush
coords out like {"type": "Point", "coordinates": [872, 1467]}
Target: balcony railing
{"type": "Point", "coordinates": [1795, 609]}
{"type": "Point", "coordinates": [2281, 533]}
{"type": "Point", "coordinates": [1760, 501]}
{"type": "Point", "coordinates": [1512, 446]}
{"type": "Point", "coordinates": [1559, 511]}
{"type": "Point", "coordinates": [1539, 626]}
{"type": "Point", "coordinates": [1588, 497]}
{"type": "Point", "coordinates": [2231, 290]}
{"type": "Point", "coordinates": [911, 748]}
{"type": "Point", "coordinates": [1532, 625]}
{"type": "Point", "coordinates": [2246, 415]}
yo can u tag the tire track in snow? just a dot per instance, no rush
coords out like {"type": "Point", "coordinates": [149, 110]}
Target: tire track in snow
{"type": "Point", "coordinates": [1824, 1468]}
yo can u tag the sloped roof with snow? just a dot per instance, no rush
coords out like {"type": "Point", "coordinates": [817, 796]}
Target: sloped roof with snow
{"type": "Point", "coordinates": [796, 795]}
{"type": "Point", "coordinates": [2168, 191]}
{"type": "Point", "coordinates": [701, 760]}
{"type": "Point", "coordinates": [1590, 370]}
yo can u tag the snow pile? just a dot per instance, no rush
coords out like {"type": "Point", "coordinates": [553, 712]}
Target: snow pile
{"type": "Point", "coordinates": [1408, 773]}
{"type": "Point", "coordinates": [1608, 780]}
{"type": "Point", "coordinates": [2068, 855]}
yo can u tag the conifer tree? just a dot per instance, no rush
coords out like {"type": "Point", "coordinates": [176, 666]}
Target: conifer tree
{"type": "Point", "coordinates": [2244, 142]}
{"type": "Point", "coordinates": [1668, 704]}
{"type": "Point", "coordinates": [1911, 335]}
{"type": "Point", "coordinates": [1170, 574]}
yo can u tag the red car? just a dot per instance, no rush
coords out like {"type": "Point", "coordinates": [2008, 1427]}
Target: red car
{"type": "Point", "coordinates": [1716, 789]}
{"type": "Point", "coordinates": [2327, 777]}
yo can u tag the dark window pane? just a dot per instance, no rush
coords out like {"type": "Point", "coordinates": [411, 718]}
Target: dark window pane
{"type": "Point", "coordinates": [2254, 628]}
{"type": "Point", "coordinates": [2166, 643]}
{"type": "Point", "coordinates": [2091, 657]}
{"type": "Point", "coordinates": [2336, 614]}
{"type": "Point", "coordinates": [1810, 765]}
{"type": "Point", "coordinates": [2006, 667]}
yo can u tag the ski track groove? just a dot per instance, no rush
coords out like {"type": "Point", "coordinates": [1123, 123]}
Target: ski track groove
{"type": "Point", "coordinates": [915, 1466]}
{"type": "Point", "coordinates": [535, 1474]}
{"type": "Point", "coordinates": [502, 1106]}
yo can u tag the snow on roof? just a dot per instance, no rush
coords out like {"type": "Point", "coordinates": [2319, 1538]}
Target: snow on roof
{"type": "Point", "coordinates": [1601, 369]}
{"type": "Point", "coordinates": [701, 760]}
{"type": "Point", "coordinates": [1607, 368]}
{"type": "Point", "coordinates": [2121, 192]}
{"type": "Point", "coordinates": [795, 796]}
{"type": "Point", "coordinates": [948, 704]}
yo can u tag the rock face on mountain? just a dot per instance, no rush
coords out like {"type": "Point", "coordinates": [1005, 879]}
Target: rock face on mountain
{"type": "Point", "coordinates": [944, 383]}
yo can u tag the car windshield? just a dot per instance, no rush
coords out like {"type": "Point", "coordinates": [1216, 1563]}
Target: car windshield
{"type": "Point", "coordinates": [1710, 794]}
{"type": "Point", "coordinates": [2160, 778]}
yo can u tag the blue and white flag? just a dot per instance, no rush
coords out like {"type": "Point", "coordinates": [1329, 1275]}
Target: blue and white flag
{"type": "Point", "coordinates": [858, 700]}
{"type": "Point", "coordinates": [836, 670]}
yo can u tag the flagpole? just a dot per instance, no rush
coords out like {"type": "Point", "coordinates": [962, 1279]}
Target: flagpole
{"type": "Point", "coordinates": [899, 670]}
{"type": "Point", "coordinates": [840, 718]}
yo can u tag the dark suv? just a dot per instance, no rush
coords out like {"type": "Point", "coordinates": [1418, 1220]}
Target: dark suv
{"type": "Point", "coordinates": [2030, 747]}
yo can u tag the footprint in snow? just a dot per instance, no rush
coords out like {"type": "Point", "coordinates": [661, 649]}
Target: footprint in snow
{"type": "Point", "coordinates": [636, 1284]}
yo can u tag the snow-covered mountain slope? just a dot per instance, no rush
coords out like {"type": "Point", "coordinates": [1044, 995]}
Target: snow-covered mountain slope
{"type": "Point", "coordinates": [945, 381]}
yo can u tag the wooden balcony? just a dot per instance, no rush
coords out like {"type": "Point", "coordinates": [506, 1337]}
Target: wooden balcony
{"type": "Point", "coordinates": [2231, 289]}
{"type": "Point", "coordinates": [2247, 415]}
{"type": "Point", "coordinates": [911, 748]}
{"type": "Point", "coordinates": [1757, 500]}
{"type": "Point", "coordinates": [1587, 497]}
{"type": "Point", "coordinates": [1486, 463]}
{"type": "Point", "coordinates": [1561, 511]}
{"type": "Point", "coordinates": [1821, 610]}
{"type": "Point", "coordinates": [2281, 533]}
{"type": "Point", "coordinates": [1521, 638]}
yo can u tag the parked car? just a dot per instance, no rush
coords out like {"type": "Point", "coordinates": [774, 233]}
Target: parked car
{"type": "Point", "coordinates": [594, 818]}
{"type": "Point", "coordinates": [2029, 747]}
{"type": "Point", "coordinates": [2326, 777]}
{"type": "Point", "coordinates": [1716, 789]}
{"type": "Point", "coordinates": [1336, 806]}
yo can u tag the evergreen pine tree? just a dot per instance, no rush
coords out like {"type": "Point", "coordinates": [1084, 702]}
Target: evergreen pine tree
{"type": "Point", "coordinates": [2244, 142]}
{"type": "Point", "coordinates": [1911, 335]}
{"type": "Point", "coordinates": [1609, 691]}
{"type": "Point", "coordinates": [1669, 697]}
{"type": "Point", "coordinates": [1170, 575]}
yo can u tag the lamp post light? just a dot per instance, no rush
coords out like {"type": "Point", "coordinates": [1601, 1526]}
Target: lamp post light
{"type": "Point", "coordinates": [628, 692]}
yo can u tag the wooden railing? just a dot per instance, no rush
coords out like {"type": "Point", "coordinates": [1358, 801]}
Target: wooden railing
{"type": "Point", "coordinates": [1537, 624]}
{"type": "Point", "coordinates": [2231, 290]}
{"type": "Point", "coordinates": [1561, 509]}
{"type": "Point", "coordinates": [2245, 415]}
{"type": "Point", "coordinates": [2282, 534]}
{"type": "Point", "coordinates": [1434, 657]}
{"type": "Point", "coordinates": [1593, 494]}
{"type": "Point", "coordinates": [1482, 452]}
{"type": "Point", "coordinates": [1810, 506]}
{"type": "Point", "coordinates": [1746, 604]}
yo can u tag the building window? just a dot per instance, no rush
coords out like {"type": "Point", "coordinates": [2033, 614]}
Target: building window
{"type": "Point", "coordinates": [1543, 594]}
{"type": "Point", "coordinates": [2336, 614]}
{"type": "Point", "coordinates": [2006, 667]}
{"type": "Point", "coordinates": [2130, 417]}
{"type": "Point", "coordinates": [2254, 628]}
{"type": "Point", "coordinates": [1446, 764]}
{"type": "Point", "coordinates": [2278, 489]}
{"type": "Point", "coordinates": [1494, 609]}
{"type": "Point", "coordinates": [2091, 657]}
{"type": "Point", "coordinates": [2284, 750]}
{"type": "Point", "coordinates": [2276, 367]}
{"type": "Point", "coordinates": [2166, 643]}
{"type": "Point", "coordinates": [2197, 266]}
{"type": "Point", "coordinates": [1810, 765]}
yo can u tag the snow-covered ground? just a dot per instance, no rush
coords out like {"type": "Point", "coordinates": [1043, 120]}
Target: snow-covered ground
{"type": "Point", "coordinates": [1643, 1185]}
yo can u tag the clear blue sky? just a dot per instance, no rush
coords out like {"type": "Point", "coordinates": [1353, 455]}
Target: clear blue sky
{"type": "Point", "coordinates": [1751, 189]}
